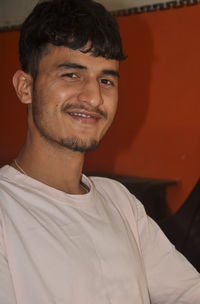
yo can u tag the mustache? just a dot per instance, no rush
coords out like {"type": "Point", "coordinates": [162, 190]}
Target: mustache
{"type": "Point", "coordinates": [98, 111]}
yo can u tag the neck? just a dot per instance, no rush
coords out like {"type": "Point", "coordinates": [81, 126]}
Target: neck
{"type": "Point", "coordinates": [59, 168]}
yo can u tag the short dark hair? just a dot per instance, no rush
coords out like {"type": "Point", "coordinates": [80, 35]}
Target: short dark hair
{"type": "Point", "coordinates": [70, 23]}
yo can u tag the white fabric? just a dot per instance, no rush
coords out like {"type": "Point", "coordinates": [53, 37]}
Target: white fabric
{"type": "Point", "coordinates": [13, 12]}
{"type": "Point", "coordinates": [97, 248]}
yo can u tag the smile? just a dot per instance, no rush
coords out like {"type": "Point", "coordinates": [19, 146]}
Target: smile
{"type": "Point", "coordinates": [80, 115]}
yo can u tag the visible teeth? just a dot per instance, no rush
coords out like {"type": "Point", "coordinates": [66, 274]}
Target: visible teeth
{"type": "Point", "coordinates": [80, 115]}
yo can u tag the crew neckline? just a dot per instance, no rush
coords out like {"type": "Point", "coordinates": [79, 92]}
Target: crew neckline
{"type": "Point", "coordinates": [16, 177]}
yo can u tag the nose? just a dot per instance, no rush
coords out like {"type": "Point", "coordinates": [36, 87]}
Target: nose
{"type": "Point", "coordinates": [91, 93]}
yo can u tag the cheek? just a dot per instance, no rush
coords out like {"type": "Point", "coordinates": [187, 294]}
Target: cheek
{"type": "Point", "coordinates": [61, 95]}
{"type": "Point", "coordinates": [112, 106]}
{"type": "Point", "coordinates": [51, 99]}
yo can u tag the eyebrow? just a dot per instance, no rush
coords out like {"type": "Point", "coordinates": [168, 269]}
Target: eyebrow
{"type": "Point", "coordinates": [111, 72]}
{"type": "Point", "coordinates": [69, 65]}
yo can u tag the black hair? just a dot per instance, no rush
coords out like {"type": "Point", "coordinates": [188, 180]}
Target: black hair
{"type": "Point", "coordinates": [70, 23]}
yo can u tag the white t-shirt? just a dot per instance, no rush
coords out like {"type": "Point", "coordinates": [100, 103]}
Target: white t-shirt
{"type": "Point", "coordinates": [96, 248]}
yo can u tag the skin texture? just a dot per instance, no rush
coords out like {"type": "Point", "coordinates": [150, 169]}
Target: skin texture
{"type": "Point", "coordinates": [71, 84]}
{"type": "Point", "coordinates": [71, 105]}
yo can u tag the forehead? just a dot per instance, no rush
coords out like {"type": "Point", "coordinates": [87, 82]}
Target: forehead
{"type": "Point", "coordinates": [56, 56]}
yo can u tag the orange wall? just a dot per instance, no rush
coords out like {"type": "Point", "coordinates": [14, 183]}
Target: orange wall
{"type": "Point", "coordinates": [157, 129]}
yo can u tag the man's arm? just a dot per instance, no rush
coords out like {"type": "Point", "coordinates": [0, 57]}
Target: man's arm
{"type": "Point", "coordinates": [7, 295]}
{"type": "Point", "coordinates": [171, 278]}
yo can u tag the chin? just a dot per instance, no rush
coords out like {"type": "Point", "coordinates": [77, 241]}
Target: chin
{"type": "Point", "coordinates": [79, 145]}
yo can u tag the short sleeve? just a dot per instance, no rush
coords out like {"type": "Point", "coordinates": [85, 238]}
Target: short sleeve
{"type": "Point", "coordinates": [171, 278]}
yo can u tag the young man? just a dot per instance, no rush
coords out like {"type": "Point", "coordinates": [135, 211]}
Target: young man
{"type": "Point", "coordinates": [66, 238]}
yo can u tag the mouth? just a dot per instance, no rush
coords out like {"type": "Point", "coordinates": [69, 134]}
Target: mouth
{"type": "Point", "coordinates": [84, 117]}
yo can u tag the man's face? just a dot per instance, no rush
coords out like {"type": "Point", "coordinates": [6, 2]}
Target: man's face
{"type": "Point", "coordinates": [74, 97]}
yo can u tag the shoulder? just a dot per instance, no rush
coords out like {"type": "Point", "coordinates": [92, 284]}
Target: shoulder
{"type": "Point", "coordinates": [112, 187]}
{"type": "Point", "coordinates": [119, 194]}
{"type": "Point", "coordinates": [8, 176]}
{"type": "Point", "coordinates": [109, 186]}
{"type": "Point", "coordinates": [10, 185]}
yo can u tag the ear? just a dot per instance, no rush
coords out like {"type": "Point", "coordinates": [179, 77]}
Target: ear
{"type": "Point", "coordinates": [23, 83]}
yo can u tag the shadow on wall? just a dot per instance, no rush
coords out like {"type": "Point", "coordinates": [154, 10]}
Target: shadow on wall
{"type": "Point", "coordinates": [135, 78]}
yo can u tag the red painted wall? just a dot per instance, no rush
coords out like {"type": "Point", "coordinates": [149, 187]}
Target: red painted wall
{"type": "Point", "coordinates": [157, 129]}
{"type": "Point", "coordinates": [12, 113]}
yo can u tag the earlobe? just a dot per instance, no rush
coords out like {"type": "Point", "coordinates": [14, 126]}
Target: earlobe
{"type": "Point", "coordinates": [22, 83]}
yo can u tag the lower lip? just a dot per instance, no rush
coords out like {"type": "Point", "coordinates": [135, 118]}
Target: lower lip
{"type": "Point", "coordinates": [85, 120]}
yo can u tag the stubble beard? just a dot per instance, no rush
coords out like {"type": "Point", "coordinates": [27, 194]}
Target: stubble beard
{"type": "Point", "coordinates": [72, 143]}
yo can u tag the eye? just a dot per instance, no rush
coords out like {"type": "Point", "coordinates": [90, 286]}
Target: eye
{"type": "Point", "coordinates": [106, 82]}
{"type": "Point", "coordinates": [70, 75]}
